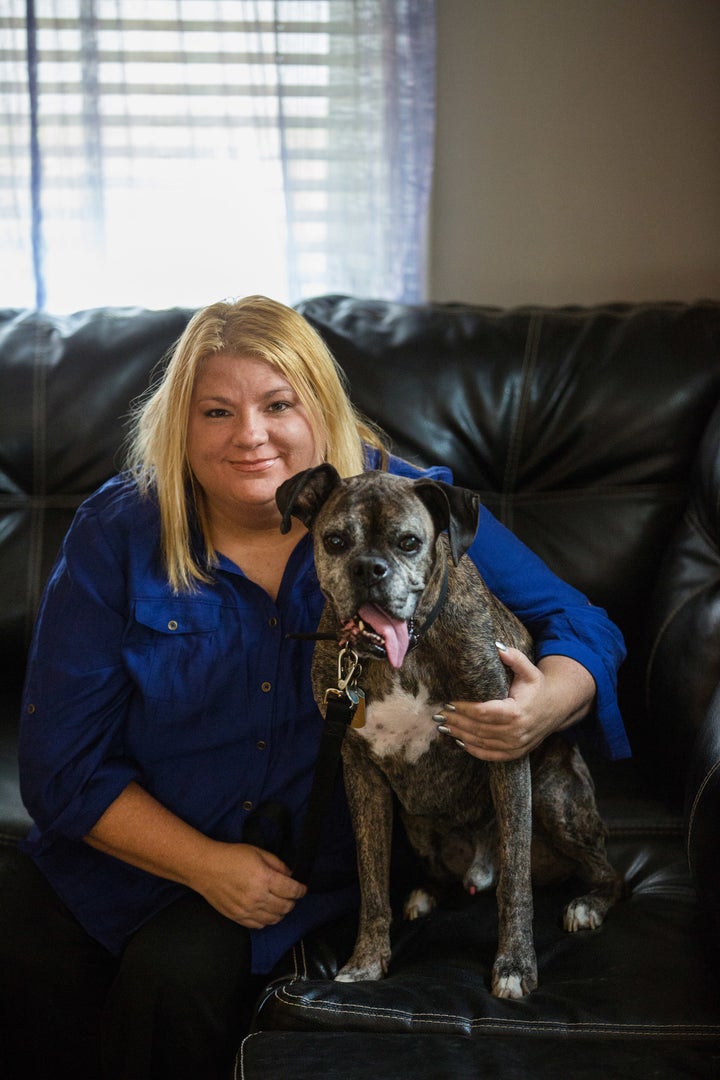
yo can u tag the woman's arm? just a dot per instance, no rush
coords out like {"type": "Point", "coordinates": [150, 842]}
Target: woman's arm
{"type": "Point", "coordinates": [250, 886]}
{"type": "Point", "coordinates": [578, 651]}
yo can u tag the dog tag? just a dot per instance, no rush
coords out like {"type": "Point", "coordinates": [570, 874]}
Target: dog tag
{"type": "Point", "coordinates": [358, 720]}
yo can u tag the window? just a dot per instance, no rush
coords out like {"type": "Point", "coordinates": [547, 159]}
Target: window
{"type": "Point", "coordinates": [163, 152]}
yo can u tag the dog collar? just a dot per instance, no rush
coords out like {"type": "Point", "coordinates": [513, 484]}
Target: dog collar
{"type": "Point", "coordinates": [417, 632]}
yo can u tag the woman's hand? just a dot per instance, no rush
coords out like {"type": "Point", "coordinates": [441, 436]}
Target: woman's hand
{"type": "Point", "coordinates": [248, 885]}
{"type": "Point", "coordinates": [547, 697]}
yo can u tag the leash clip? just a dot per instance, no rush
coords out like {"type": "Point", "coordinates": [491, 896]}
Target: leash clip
{"type": "Point", "coordinates": [349, 670]}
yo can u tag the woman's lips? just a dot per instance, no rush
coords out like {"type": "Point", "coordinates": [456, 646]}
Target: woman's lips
{"type": "Point", "coordinates": [253, 466]}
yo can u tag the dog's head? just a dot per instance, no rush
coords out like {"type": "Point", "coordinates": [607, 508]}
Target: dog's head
{"type": "Point", "coordinates": [376, 547]}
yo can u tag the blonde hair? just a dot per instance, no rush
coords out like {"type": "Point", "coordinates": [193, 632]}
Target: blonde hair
{"type": "Point", "coordinates": [157, 446]}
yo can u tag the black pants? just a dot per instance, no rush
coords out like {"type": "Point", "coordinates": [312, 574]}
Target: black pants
{"type": "Point", "coordinates": [176, 1004]}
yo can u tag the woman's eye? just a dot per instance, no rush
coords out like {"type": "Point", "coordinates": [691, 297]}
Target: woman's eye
{"type": "Point", "coordinates": [409, 543]}
{"type": "Point", "coordinates": [214, 414]}
{"type": "Point", "coordinates": [279, 406]}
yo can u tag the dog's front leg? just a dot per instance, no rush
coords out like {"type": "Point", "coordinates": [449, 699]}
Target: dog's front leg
{"type": "Point", "coordinates": [370, 800]}
{"type": "Point", "coordinates": [515, 968]}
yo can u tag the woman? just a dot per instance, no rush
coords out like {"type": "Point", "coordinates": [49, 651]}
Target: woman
{"type": "Point", "coordinates": [166, 709]}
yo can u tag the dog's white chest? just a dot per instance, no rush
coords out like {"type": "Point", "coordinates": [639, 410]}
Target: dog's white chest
{"type": "Point", "coordinates": [400, 724]}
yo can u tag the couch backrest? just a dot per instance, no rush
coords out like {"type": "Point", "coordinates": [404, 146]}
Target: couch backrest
{"type": "Point", "coordinates": [579, 427]}
{"type": "Point", "coordinates": [66, 383]}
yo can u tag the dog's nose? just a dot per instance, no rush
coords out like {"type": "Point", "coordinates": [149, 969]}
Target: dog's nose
{"type": "Point", "coordinates": [369, 569]}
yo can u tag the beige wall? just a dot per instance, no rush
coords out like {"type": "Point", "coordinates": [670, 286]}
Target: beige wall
{"type": "Point", "coordinates": [578, 151]}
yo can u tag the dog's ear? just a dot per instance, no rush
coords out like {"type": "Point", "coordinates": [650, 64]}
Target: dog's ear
{"type": "Point", "coordinates": [304, 494]}
{"type": "Point", "coordinates": [453, 508]}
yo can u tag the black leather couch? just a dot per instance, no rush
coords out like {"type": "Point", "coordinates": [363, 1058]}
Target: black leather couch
{"type": "Point", "coordinates": [594, 434]}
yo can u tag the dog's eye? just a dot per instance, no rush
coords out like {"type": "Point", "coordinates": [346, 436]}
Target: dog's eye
{"type": "Point", "coordinates": [335, 542]}
{"type": "Point", "coordinates": [409, 543]}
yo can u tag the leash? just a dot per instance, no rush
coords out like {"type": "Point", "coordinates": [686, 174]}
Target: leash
{"type": "Point", "coordinates": [344, 705]}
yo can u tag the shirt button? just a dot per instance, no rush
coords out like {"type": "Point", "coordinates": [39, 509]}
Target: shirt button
{"type": "Point", "coordinates": [261, 744]}
{"type": "Point", "coordinates": [266, 687]}
{"type": "Point", "coordinates": [31, 709]}
{"type": "Point", "coordinates": [247, 805]}
{"type": "Point", "coordinates": [272, 621]}
{"type": "Point", "coordinates": [172, 625]}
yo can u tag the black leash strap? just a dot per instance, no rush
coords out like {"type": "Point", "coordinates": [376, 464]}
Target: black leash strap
{"type": "Point", "coordinates": [338, 717]}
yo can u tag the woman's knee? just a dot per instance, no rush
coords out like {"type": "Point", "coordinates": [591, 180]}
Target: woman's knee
{"type": "Point", "coordinates": [183, 996]}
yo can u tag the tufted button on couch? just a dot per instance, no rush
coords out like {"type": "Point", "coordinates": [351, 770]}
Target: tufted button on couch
{"type": "Point", "coordinates": [594, 433]}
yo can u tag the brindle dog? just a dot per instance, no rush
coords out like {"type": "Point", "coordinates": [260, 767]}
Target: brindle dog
{"type": "Point", "coordinates": [411, 604]}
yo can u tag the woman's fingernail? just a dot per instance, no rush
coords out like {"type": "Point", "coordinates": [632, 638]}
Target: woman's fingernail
{"type": "Point", "coordinates": [499, 645]}
{"type": "Point", "coordinates": [460, 743]}
{"type": "Point", "coordinates": [449, 707]}
{"type": "Point", "coordinates": [445, 730]}
{"type": "Point", "coordinates": [439, 718]}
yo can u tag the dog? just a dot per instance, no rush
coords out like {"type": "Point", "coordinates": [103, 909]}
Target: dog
{"type": "Point", "coordinates": [402, 594]}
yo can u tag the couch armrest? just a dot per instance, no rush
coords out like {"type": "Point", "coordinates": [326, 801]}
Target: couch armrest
{"type": "Point", "coordinates": [683, 668]}
{"type": "Point", "coordinates": [703, 814]}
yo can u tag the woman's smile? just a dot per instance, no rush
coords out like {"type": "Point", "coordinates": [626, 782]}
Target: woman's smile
{"type": "Point", "coordinates": [254, 466]}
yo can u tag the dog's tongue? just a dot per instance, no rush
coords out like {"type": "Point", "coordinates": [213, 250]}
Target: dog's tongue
{"type": "Point", "coordinates": [393, 631]}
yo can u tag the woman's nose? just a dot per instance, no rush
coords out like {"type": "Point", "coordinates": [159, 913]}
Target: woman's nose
{"type": "Point", "coordinates": [249, 430]}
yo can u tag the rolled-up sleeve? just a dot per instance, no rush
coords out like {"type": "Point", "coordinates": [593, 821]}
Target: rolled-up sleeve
{"type": "Point", "coordinates": [560, 618]}
{"type": "Point", "coordinates": [72, 765]}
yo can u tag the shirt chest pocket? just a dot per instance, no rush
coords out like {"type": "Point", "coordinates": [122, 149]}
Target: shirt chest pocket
{"type": "Point", "coordinates": [172, 648]}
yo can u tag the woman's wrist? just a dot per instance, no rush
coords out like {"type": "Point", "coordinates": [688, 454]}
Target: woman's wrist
{"type": "Point", "coordinates": [571, 686]}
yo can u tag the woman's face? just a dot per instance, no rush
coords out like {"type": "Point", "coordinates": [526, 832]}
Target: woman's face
{"type": "Point", "coordinates": [247, 433]}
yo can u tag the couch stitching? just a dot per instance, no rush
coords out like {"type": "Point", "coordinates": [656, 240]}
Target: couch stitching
{"type": "Point", "coordinates": [515, 445]}
{"type": "Point", "coordinates": [692, 815]}
{"type": "Point", "coordinates": [41, 502]}
{"type": "Point", "coordinates": [620, 493]}
{"type": "Point", "coordinates": [663, 628]}
{"type": "Point", "coordinates": [434, 1019]}
{"type": "Point", "coordinates": [239, 1059]}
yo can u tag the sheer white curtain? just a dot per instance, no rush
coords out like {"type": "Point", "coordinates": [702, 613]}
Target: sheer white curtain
{"type": "Point", "coordinates": [163, 152]}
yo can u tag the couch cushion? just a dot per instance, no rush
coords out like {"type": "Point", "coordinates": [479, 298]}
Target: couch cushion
{"type": "Point", "coordinates": [440, 968]}
{"type": "Point", "coordinates": [519, 1055]}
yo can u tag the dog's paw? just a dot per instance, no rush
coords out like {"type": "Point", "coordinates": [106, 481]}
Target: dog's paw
{"type": "Point", "coordinates": [354, 972]}
{"type": "Point", "coordinates": [511, 981]}
{"type": "Point", "coordinates": [417, 904]}
{"type": "Point", "coordinates": [508, 986]}
{"type": "Point", "coordinates": [582, 914]}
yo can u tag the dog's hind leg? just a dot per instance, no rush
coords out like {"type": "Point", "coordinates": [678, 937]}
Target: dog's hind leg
{"type": "Point", "coordinates": [429, 840]}
{"type": "Point", "coordinates": [515, 969]}
{"type": "Point", "coordinates": [565, 809]}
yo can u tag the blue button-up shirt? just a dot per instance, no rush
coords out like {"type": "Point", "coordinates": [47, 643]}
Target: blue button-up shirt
{"type": "Point", "coordinates": [204, 700]}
